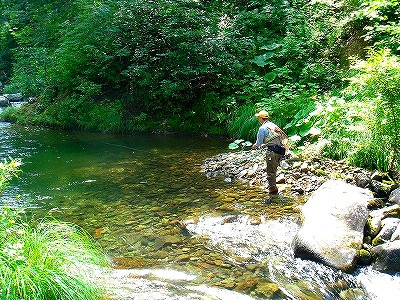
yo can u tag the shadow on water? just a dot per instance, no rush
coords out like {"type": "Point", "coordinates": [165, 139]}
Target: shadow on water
{"type": "Point", "coordinates": [145, 200]}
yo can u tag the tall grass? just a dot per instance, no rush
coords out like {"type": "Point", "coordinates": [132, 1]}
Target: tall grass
{"type": "Point", "coordinates": [8, 113]}
{"type": "Point", "coordinates": [377, 81]}
{"type": "Point", "coordinates": [48, 260]}
{"type": "Point", "coordinates": [243, 124]}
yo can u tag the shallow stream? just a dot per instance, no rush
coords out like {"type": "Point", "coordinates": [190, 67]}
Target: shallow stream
{"type": "Point", "coordinates": [133, 193]}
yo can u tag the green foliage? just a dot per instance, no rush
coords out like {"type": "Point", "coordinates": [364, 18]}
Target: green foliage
{"type": "Point", "coordinates": [46, 260]}
{"type": "Point", "coordinates": [301, 125]}
{"type": "Point", "coordinates": [206, 66]}
{"type": "Point", "coordinates": [287, 64]}
{"type": "Point", "coordinates": [243, 124]}
{"type": "Point", "coordinates": [73, 112]}
{"type": "Point", "coordinates": [242, 144]}
{"type": "Point", "coordinates": [341, 123]}
{"type": "Point", "coordinates": [382, 22]}
{"type": "Point", "coordinates": [362, 124]}
{"type": "Point", "coordinates": [6, 44]}
{"type": "Point", "coordinates": [8, 170]}
{"type": "Point", "coordinates": [167, 56]}
{"type": "Point", "coordinates": [377, 82]}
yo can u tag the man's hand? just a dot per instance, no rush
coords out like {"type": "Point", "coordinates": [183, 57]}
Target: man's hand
{"type": "Point", "coordinates": [257, 147]}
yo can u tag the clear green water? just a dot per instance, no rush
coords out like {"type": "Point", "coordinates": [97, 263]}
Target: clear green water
{"type": "Point", "coordinates": [132, 193]}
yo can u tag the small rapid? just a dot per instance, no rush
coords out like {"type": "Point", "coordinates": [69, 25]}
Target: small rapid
{"type": "Point", "coordinates": [269, 245]}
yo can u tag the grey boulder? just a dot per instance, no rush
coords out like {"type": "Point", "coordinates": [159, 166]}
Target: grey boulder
{"type": "Point", "coordinates": [333, 221]}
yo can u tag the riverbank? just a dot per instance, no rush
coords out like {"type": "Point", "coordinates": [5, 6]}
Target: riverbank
{"type": "Point", "coordinates": [296, 175]}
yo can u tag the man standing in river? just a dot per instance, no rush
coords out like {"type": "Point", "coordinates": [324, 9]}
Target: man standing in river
{"type": "Point", "coordinates": [269, 137]}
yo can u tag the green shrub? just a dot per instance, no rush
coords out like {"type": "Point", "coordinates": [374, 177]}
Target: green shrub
{"type": "Point", "coordinates": [338, 125]}
{"type": "Point", "coordinates": [360, 124]}
{"type": "Point", "coordinates": [8, 170]}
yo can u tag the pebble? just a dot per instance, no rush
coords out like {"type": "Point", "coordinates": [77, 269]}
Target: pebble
{"type": "Point", "coordinates": [302, 175]}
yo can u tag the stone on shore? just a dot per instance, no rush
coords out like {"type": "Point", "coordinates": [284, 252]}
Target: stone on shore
{"type": "Point", "coordinates": [4, 102]}
{"type": "Point", "coordinates": [14, 97]}
{"type": "Point", "coordinates": [333, 221]}
{"type": "Point", "coordinates": [387, 257]}
{"type": "Point", "coordinates": [395, 196]}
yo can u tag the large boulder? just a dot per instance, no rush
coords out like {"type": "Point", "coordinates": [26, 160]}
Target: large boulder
{"type": "Point", "coordinates": [387, 257]}
{"type": "Point", "coordinates": [333, 221]}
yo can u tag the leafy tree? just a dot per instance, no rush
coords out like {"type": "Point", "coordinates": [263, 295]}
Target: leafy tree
{"type": "Point", "coordinates": [33, 30]}
{"type": "Point", "coordinates": [113, 65]}
{"type": "Point", "coordinates": [382, 22]}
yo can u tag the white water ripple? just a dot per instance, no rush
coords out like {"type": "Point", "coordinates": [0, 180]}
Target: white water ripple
{"type": "Point", "coordinates": [270, 243]}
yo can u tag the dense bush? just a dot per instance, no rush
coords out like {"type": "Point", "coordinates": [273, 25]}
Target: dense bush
{"type": "Point", "coordinates": [197, 66]}
{"type": "Point", "coordinates": [170, 59]}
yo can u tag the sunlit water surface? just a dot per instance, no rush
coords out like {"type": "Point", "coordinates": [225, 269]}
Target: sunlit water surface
{"type": "Point", "coordinates": [132, 193]}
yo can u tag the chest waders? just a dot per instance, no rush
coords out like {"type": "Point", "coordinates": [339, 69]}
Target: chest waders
{"type": "Point", "coordinates": [274, 154]}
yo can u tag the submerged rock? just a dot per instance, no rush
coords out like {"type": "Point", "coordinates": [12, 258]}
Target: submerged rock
{"type": "Point", "coordinates": [333, 221]}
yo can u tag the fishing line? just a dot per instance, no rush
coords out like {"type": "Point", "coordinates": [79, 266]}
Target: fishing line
{"type": "Point", "coordinates": [122, 146]}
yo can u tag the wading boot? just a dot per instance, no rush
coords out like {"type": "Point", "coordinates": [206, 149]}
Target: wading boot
{"type": "Point", "coordinates": [273, 190]}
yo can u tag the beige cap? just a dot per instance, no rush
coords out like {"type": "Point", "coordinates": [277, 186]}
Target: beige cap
{"type": "Point", "coordinates": [262, 114]}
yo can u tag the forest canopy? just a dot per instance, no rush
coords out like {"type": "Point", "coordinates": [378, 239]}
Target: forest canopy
{"type": "Point", "coordinates": [327, 71]}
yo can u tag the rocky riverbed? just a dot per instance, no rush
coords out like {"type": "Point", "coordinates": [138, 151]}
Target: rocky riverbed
{"type": "Point", "coordinates": [302, 176]}
{"type": "Point", "coordinates": [243, 252]}
{"type": "Point", "coordinates": [296, 175]}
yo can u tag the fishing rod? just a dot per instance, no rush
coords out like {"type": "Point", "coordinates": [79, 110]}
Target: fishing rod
{"type": "Point", "coordinates": [122, 146]}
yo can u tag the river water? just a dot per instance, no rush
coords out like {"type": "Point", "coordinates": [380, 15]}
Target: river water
{"type": "Point", "coordinates": [171, 232]}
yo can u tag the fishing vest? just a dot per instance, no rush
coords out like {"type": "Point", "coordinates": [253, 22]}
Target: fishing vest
{"type": "Point", "coordinates": [273, 137]}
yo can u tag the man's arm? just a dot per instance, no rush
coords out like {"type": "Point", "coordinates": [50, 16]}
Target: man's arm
{"type": "Point", "coordinates": [262, 132]}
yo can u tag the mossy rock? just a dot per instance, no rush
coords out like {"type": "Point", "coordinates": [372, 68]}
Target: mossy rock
{"type": "Point", "coordinates": [364, 257]}
{"type": "Point", "coordinates": [320, 172]}
{"type": "Point", "coordinates": [370, 229]}
{"type": "Point", "coordinates": [268, 290]}
{"type": "Point", "coordinates": [376, 242]}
